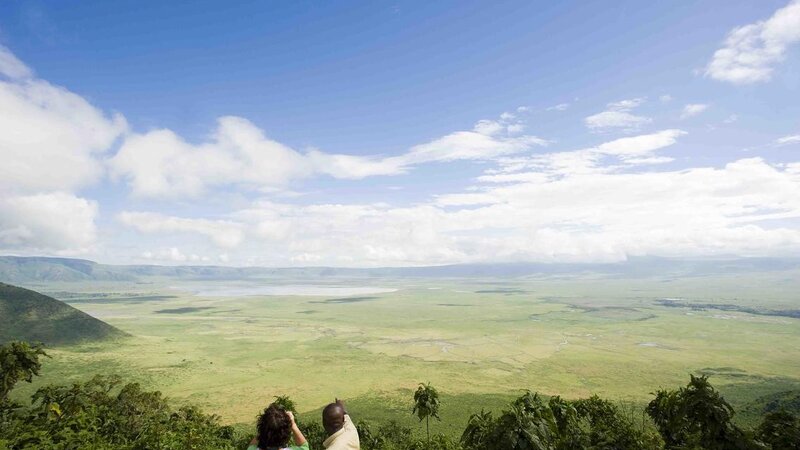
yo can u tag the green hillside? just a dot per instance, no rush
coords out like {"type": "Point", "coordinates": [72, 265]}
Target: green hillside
{"type": "Point", "coordinates": [31, 316]}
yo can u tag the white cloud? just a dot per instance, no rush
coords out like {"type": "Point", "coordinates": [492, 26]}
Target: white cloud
{"type": "Point", "coordinates": [56, 222]}
{"type": "Point", "coordinates": [162, 164]}
{"type": "Point", "coordinates": [470, 145]}
{"type": "Point", "coordinates": [618, 115]}
{"type": "Point", "coordinates": [693, 109]}
{"type": "Point", "coordinates": [516, 128]}
{"type": "Point", "coordinates": [626, 105]}
{"type": "Point", "coordinates": [590, 204]}
{"type": "Point", "coordinates": [507, 116]}
{"type": "Point", "coordinates": [626, 152]}
{"type": "Point", "coordinates": [787, 140]}
{"type": "Point", "coordinates": [354, 167]}
{"type": "Point", "coordinates": [50, 138]}
{"type": "Point", "coordinates": [11, 66]}
{"type": "Point", "coordinates": [751, 52]}
{"type": "Point", "coordinates": [638, 146]}
{"type": "Point", "coordinates": [174, 254]}
{"type": "Point", "coordinates": [559, 107]}
{"type": "Point", "coordinates": [223, 233]}
{"type": "Point", "coordinates": [594, 216]}
{"type": "Point", "coordinates": [666, 98]}
{"type": "Point", "coordinates": [615, 119]}
{"type": "Point", "coordinates": [489, 127]}
{"type": "Point", "coordinates": [731, 119]}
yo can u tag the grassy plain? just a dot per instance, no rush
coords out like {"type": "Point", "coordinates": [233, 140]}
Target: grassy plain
{"type": "Point", "coordinates": [479, 341]}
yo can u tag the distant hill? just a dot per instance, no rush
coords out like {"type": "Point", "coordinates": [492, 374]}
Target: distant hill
{"type": "Point", "coordinates": [16, 269]}
{"type": "Point", "coordinates": [30, 316]}
{"type": "Point", "coordinates": [22, 270]}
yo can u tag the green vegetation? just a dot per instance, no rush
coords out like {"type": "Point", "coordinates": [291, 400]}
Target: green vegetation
{"type": "Point", "coordinates": [19, 361]}
{"type": "Point", "coordinates": [574, 338]}
{"type": "Point", "coordinates": [480, 341]}
{"type": "Point", "coordinates": [28, 315]}
{"type": "Point", "coordinates": [426, 405]}
{"type": "Point", "coordinates": [104, 413]}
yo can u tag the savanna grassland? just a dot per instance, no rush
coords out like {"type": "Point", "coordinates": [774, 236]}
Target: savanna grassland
{"type": "Point", "coordinates": [479, 341]}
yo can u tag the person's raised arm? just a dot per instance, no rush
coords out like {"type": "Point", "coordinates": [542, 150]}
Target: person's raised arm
{"type": "Point", "coordinates": [299, 439]}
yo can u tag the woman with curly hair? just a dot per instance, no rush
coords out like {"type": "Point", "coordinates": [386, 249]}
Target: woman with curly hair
{"type": "Point", "coordinates": [275, 425]}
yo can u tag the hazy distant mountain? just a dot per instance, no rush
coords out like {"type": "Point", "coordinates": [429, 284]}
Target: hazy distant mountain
{"type": "Point", "coordinates": [30, 316]}
{"type": "Point", "coordinates": [41, 269]}
{"type": "Point", "coordinates": [15, 269]}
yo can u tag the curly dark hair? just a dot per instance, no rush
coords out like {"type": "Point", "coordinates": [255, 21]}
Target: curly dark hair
{"type": "Point", "coordinates": [274, 428]}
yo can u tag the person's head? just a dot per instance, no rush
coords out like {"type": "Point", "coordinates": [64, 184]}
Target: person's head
{"type": "Point", "coordinates": [333, 418]}
{"type": "Point", "coordinates": [274, 428]}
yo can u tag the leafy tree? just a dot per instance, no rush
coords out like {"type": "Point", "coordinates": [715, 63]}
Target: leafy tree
{"type": "Point", "coordinates": [104, 414]}
{"type": "Point", "coordinates": [426, 405]}
{"type": "Point", "coordinates": [781, 430]}
{"type": "Point", "coordinates": [697, 416]}
{"type": "Point", "coordinates": [284, 402]}
{"type": "Point", "coordinates": [609, 428]}
{"type": "Point", "coordinates": [19, 361]}
{"type": "Point", "coordinates": [478, 433]}
{"type": "Point", "coordinates": [527, 425]}
{"type": "Point", "coordinates": [570, 428]}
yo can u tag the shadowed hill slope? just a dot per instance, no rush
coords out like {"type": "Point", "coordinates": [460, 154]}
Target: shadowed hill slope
{"type": "Point", "coordinates": [30, 316]}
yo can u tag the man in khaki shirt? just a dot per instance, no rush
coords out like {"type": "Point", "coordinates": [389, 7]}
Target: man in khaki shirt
{"type": "Point", "coordinates": [342, 433]}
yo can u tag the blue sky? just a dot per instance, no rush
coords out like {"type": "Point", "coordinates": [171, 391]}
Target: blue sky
{"type": "Point", "coordinates": [399, 133]}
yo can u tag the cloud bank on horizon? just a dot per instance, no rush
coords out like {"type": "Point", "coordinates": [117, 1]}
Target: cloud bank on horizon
{"type": "Point", "coordinates": [81, 180]}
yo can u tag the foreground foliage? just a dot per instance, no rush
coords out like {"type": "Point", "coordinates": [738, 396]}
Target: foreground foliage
{"type": "Point", "coordinates": [105, 413]}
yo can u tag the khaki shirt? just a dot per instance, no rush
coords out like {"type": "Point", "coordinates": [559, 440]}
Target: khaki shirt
{"type": "Point", "coordinates": [344, 439]}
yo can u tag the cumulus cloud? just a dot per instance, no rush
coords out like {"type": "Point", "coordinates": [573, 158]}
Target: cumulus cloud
{"type": "Point", "coordinates": [581, 205]}
{"type": "Point", "coordinates": [751, 52]}
{"type": "Point", "coordinates": [693, 109]}
{"type": "Point", "coordinates": [51, 143]}
{"type": "Point", "coordinates": [618, 115]}
{"type": "Point", "coordinates": [50, 138]}
{"type": "Point", "coordinates": [56, 222]}
{"type": "Point", "coordinates": [162, 164]}
{"type": "Point", "coordinates": [223, 233]}
{"type": "Point", "coordinates": [597, 216]}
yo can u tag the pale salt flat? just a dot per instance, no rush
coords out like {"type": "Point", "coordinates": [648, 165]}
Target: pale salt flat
{"type": "Point", "coordinates": [282, 290]}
